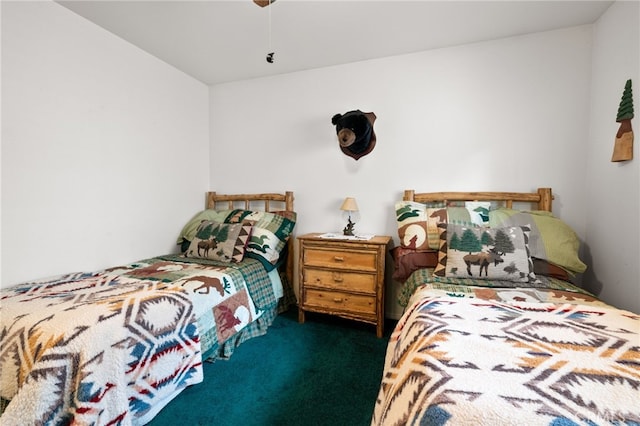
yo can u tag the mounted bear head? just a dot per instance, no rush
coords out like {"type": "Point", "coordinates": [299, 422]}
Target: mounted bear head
{"type": "Point", "coordinates": [355, 132]}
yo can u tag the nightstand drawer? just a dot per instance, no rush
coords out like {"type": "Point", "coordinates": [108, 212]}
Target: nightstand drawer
{"type": "Point", "coordinates": [342, 259]}
{"type": "Point", "coordinates": [335, 300]}
{"type": "Point", "coordinates": [339, 280]}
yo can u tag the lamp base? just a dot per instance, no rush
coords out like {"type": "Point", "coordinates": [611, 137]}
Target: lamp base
{"type": "Point", "coordinates": [348, 230]}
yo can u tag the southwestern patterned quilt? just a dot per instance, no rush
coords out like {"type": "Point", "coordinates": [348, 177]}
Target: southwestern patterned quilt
{"type": "Point", "coordinates": [114, 346]}
{"type": "Point", "coordinates": [472, 355]}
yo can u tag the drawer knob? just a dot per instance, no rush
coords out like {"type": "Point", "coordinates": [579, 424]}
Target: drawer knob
{"type": "Point", "coordinates": [337, 299]}
{"type": "Point", "coordinates": [338, 258]}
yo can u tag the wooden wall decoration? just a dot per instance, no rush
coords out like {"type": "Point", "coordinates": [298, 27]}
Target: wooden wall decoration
{"type": "Point", "coordinates": [623, 148]}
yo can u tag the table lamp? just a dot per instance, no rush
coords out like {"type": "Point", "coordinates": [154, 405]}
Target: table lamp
{"type": "Point", "coordinates": [350, 209]}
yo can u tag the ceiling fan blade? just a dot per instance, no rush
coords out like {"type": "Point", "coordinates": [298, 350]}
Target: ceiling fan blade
{"type": "Point", "coordinates": [263, 3]}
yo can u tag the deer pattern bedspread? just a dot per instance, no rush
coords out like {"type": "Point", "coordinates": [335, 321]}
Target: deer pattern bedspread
{"type": "Point", "coordinates": [520, 357]}
{"type": "Point", "coordinates": [114, 346]}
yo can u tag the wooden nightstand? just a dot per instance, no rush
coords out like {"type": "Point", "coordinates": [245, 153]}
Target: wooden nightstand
{"type": "Point", "coordinates": [343, 278]}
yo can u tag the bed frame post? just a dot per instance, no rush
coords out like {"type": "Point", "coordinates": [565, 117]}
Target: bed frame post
{"type": "Point", "coordinates": [289, 201]}
{"type": "Point", "coordinates": [546, 199]}
{"type": "Point", "coordinates": [289, 271]}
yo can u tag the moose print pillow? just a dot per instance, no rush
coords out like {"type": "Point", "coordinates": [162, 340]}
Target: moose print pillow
{"type": "Point", "coordinates": [485, 253]}
{"type": "Point", "coordinates": [225, 242]}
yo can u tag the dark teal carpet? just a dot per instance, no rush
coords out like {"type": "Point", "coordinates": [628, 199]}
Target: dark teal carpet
{"type": "Point", "coordinates": [324, 372]}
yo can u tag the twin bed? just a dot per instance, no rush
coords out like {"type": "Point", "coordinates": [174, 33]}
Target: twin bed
{"type": "Point", "coordinates": [493, 332]}
{"type": "Point", "coordinates": [115, 346]}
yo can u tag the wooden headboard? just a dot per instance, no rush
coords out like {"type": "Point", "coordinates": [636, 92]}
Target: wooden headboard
{"type": "Point", "coordinates": [542, 198]}
{"type": "Point", "coordinates": [268, 202]}
{"type": "Point", "coordinates": [248, 201]}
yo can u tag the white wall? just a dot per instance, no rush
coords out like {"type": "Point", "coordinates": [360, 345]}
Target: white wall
{"type": "Point", "coordinates": [101, 139]}
{"type": "Point", "coordinates": [104, 147]}
{"type": "Point", "coordinates": [505, 115]}
{"type": "Point", "coordinates": [613, 189]}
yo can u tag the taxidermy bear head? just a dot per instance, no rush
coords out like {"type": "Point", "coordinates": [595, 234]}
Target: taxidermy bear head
{"type": "Point", "coordinates": [355, 132]}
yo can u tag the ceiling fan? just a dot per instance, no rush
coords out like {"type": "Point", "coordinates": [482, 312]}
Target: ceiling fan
{"type": "Point", "coordinates": [263, 3]}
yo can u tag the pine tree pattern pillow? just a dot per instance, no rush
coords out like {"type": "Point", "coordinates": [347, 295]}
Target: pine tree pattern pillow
{"type": "Point", "coordinates": [485, 253]}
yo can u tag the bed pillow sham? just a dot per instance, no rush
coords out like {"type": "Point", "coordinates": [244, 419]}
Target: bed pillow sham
{"type": "Point", "coordinates": [269, 235]}
{"type": "Point", "coordinates": [224, 242]}
{"type": "Point", "coordinates": [406, 261]}
{"type": "Point", "coordinates": [418, 222]}
{"type": "Point", "coordinates": [411, 218]}
{"type": "Point", "coordinates": [189, 230]}
{"type": "Point", "coordinates": [542, 267]}
{"type": "Point", "coordinates": [485, 253]}
{"type": "Point", "coordinates": [551, 239]}
{"type": "Point", "coordinates": [270, 232]}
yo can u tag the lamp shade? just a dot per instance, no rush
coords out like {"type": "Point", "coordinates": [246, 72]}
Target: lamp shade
{"type": "Point", "coordinates": [349, 205]}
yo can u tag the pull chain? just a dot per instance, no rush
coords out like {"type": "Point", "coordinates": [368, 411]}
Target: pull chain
{"type": "Point", "coordinates": [270, 54]}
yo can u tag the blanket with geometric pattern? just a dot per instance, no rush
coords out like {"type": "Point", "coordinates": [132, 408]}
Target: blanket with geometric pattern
{"type": "Point", "coordinates": [113, 346]}
{"type": "Point", "coordinates": [459, 359]}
